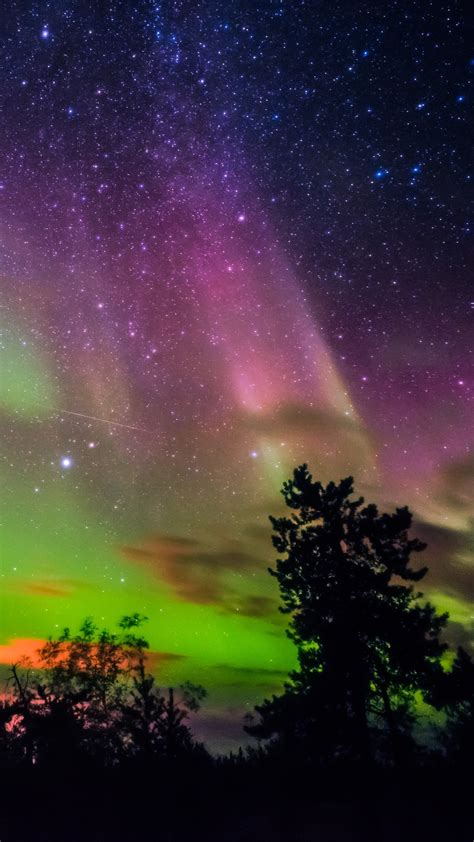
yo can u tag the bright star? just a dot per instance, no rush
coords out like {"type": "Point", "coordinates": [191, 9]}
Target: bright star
{"type": "Point", "coordinates": [66, 462]}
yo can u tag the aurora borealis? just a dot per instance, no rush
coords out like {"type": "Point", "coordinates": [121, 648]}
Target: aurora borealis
{"type": "Point", "coordinates": [235, 238]}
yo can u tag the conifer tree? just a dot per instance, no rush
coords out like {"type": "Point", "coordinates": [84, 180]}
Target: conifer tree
{"type": "Point", "coordinates": [366, 644]}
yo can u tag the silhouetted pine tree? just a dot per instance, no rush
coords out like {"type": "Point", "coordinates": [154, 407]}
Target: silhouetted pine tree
{"type": "Point", "coordinates": [365, 643]}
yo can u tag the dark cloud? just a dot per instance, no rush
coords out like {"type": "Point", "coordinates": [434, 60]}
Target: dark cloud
{"type": "Point", "coordinates": [250, 671]}
{"type": "Point", "coordinates": [342, 443]}
{"type": "Point", "coordinates": [198, 573]}
{"type": "Point", "coordinates": [167, 544]}
{"type": "Point", "coordinates": [300, 418]}
{"type": "Point", "coordinates": [447, 559]}
{"type": "Point", "coordinates": [155, 660]}
{"type": "Point", "coordinates": [221, 730]}
{"type": "Point", "coordinates": [51, 588]}
{"type": "Point", "coordinates": [456, 484]}
{"type": "Point", "coordinates": [258, 606]}
{"type": "Point", "coordinates": [259, 531]}
{"type": "Point", "coordinates": [39, 589]}
{"type": "Point", "coordinates": [255, 606]}
{"type": "Point", "coordinates": [458, 635]}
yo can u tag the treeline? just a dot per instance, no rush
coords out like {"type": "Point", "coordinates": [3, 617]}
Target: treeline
{"type": "Point", "coordinates": [92, 702]}
{"type": "Point", "coordinates": [369, 649]}
{"type": "Point", "coordinates": [349, 728]}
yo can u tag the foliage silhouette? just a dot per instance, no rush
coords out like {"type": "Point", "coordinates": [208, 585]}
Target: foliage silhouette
{"type": "Point", "coordinates": [93, 701]}
{"type": "Point", "coordinates": [366, 644]}
{"type": "Point", "coordinates": [90, 730]}
{"type": "Point", "coordinates": [454, 693]}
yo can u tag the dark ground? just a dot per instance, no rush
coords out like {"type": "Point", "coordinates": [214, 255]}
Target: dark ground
{"type": "Point", "coordinates": [227, 805]}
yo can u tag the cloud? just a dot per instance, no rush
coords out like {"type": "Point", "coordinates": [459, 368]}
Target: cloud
{"type": "Point", "coordinates": [50, 587]}
{"type": "Point", "coordinates": [46, 590]}
{"type": "Point", "coordinates": [155, 660]}
{"type": "Point", "coordinates": [249, 672]}
{"type": "Point", "coordinates": [198, 573]}
{"type": "Point", "coordinates": [450, 578]}
{"type": "Point", "coordinates": [221, 730]}
{"type": "Point", "coordinates": [456, 484]}
{"type": "Point", "coordinates": [258, 531]}
{"type": "Point", "coordinates": [26, 649]}
{"type": "Point", "coordinates": [18, 649]}
{"type": "Point", "coordinates": [459, 635]}
{"type": "Point", "coordinates": [343, 442]}
{"type": "Point", "coordinates": [299, 417]}
{"type": "Point", "coordinates": [258, 606]}
{"type": "Point", "coordinates": [255, 606]}
{"type": "Point", "coordinates": [167, 545]}
{"type": "Point", "coordinates": [447, 558]}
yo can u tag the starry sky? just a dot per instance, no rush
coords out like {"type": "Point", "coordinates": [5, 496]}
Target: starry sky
{"type": "Point", "coordinates": [235, 237]}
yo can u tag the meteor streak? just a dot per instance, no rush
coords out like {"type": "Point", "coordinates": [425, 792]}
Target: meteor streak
{"type": "Point", "coordinates": [101, 420]}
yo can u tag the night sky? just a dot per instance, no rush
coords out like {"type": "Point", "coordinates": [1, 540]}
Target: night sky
{"type": "Point", "coordinates": [235, 238]}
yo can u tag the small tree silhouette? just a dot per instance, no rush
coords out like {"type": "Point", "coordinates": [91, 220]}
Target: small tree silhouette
{"type": "Point", "coordinates": [453, 692]}
{"type": "Point", "coordinates": [365, 643]}
{"type": "Point", "coordinates": [93, 700]}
